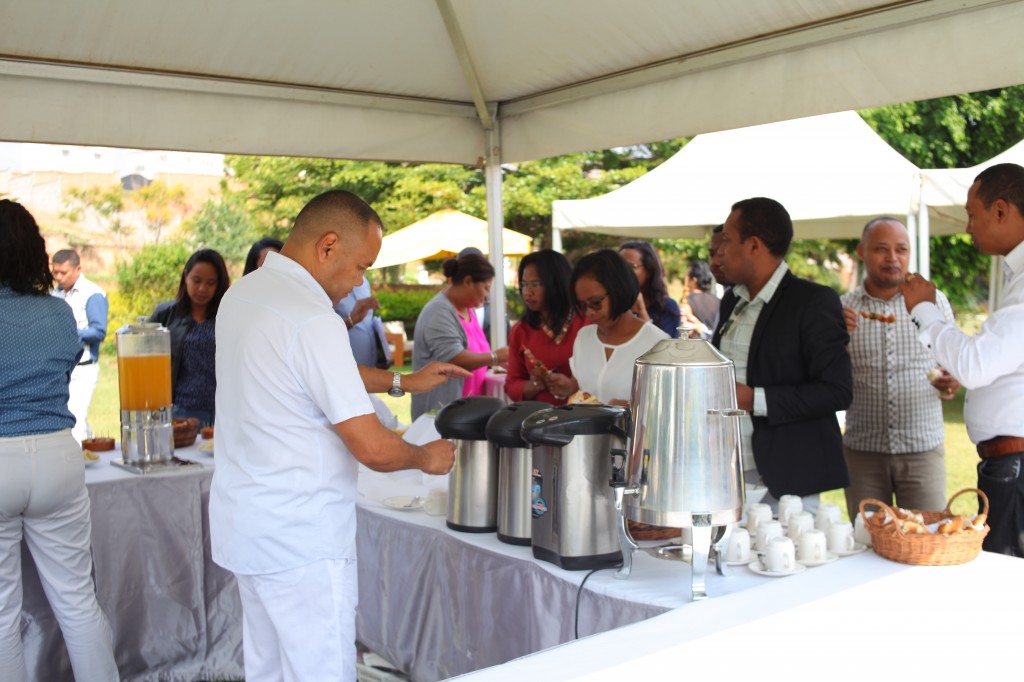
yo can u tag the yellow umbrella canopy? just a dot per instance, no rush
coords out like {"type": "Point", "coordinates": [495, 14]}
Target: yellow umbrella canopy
{"type": "Point", "coordinates": [443, 235]}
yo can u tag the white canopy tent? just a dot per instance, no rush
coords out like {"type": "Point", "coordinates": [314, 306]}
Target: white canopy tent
{"type": "Point", "coordinates": [444, 234]}
{"type": "Point", "coordinates": [472, 82]}
{"type": "Point", "coordinates": [833, 173]}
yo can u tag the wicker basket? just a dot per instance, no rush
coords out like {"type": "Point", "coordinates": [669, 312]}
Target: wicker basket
{"type": "Point", "coordinates": [933, 549]}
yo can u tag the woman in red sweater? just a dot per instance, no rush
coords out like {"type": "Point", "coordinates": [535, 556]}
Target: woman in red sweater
{"type": "Point", "coordinates": [540, 344]}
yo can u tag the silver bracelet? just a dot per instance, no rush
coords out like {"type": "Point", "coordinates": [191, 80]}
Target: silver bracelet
{"type": "Point", "coordinates": [494, 358]}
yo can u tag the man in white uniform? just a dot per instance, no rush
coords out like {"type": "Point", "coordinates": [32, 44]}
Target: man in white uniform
{"type": "Point", "coordinates": [89, 304]}
{"type": "Point", "coordinates": [989, 364]}
{"type": "Point", "coordinates": [293, 423]}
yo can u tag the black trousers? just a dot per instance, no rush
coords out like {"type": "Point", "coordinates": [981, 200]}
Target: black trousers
{"type": "Point", "coordinates": [1001, 479]}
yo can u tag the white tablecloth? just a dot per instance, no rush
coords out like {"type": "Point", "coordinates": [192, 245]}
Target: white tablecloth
{"type": "Point", "coordinates": [439, 603]}
{"type": "Point", "coordinates": [861, 618]}
{"type": "Point", "coordinates": [174, 613]}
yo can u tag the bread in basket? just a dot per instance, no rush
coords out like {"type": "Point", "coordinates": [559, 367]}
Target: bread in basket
{"type": "Point", "coordinates": [896, 537]}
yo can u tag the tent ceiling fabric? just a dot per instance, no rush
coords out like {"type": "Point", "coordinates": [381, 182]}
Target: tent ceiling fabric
{"type": "Point", "coordinates": [442, 235]}
{"type": "Point", "coordinates": [832, 173]}
{"type": "Point", "coordinates": [387, 79]}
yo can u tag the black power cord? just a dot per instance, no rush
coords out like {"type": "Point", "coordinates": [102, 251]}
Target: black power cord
{"type": "Point", "coordinates": [576, 626]}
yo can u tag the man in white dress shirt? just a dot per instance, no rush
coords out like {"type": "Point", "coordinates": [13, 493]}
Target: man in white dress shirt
{"type": "Point", "coordinates": [293, 423]}
{"type": "Point", "coordinates": [990, 364]}
{"type": "Point", "coordinates": [89, 304]}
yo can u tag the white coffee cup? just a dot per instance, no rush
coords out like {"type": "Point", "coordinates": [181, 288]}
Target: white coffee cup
{"type": "Point", "coordinates": [756, 513]}
{"type": "Point", "coordinates": [436, 503]}
{"type": "Point", "coordinates": [840, 536]}
{"type": "Point", "coordinates": [766, 530]}
{"type": "Point", "coordinates": [826, 515]}
{"type": "Point", "coordinates": [860, 532]}
{"type": "Point", "coordinates": [813, 546]}
{"type": "Point", "coordinates": [789, 505]}
{"type": "Point", "coordinates": [739, 545]}
{"type": "Point", "coordinates": [798, 523]}
{"type": "Point", "coordinates": [779, 555]}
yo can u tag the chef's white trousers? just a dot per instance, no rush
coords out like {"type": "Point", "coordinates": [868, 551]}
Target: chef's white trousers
{"type": "Point", "coordinates": [80, 390]}
{"type": "Point", "coordinates": [300, 625]}
{"type": "Point", "coordinates": [43, 499]}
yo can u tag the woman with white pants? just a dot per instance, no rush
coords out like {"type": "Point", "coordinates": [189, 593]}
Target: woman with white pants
{"type": "Point", "coordinates": [42, 488]}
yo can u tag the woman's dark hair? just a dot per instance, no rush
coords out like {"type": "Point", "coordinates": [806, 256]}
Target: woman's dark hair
{"type": "Point", "coordinates": [655, 290]}
{"type": "Point", "coordinates": [471, 265]}
{"type": "Point", "coordinates": [612, 272]}
{"type": "Point", "coordinates": [701, 271]}
{"type": "Point", "coordinates": [184, 304]}
{"type": "Point", "coordinates": [24, 265]}
{"type": "Point", "coordinates": [554, 271]}
{"type": "Point", "coordinates": [254, 253]}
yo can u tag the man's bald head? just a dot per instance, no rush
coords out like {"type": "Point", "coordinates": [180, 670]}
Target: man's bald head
{"type": "Point", "coordinates": [337, 211]}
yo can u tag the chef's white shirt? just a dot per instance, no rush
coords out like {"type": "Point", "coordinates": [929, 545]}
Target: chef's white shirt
{"type": "Point", "coordinates": [284, 490]}
{"type": "Point", "coordinates": [990, 364]}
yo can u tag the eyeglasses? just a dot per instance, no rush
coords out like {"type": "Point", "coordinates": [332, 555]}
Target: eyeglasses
{"type": "Point", "coordinates": [532, 286]}
{"type": "Point", "coordinates": [592, 303]}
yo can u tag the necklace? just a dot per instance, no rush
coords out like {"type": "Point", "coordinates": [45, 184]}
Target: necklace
{"type": "Point", "coordinates": [557, 338]}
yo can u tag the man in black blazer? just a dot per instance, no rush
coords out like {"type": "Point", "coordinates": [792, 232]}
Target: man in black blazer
{"type": "Point", "coordinates": [787, 337]}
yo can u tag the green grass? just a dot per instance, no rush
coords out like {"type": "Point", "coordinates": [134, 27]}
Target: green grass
{"type": "Point", "coordinates": [961, 458]}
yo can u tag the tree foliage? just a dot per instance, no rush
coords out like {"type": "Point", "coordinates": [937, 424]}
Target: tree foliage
{"type": "Point", "coordinates": [150, 277]}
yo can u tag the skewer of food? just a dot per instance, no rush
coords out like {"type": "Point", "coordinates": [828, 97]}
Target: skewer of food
{"type": "Point", "coordinates": [539, 370]}
{"type": "Point", "coordinates": [888, 319]}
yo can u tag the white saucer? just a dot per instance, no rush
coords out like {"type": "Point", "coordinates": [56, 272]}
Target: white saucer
{"type": "Point", "coordinates": [404, 502]}
{"type": "Point", "coordinates": [829, 558]}
{"type": "Point", "coordinates": [758, 568]}
{"type": "Point", "coordinates": [92, 462]}
{"type": "Point", "coordinates": [857, 549]}
{"type": "Point", "coordinates": [206, 447]}
{"type": "Point", "coordinates": [752, 557]}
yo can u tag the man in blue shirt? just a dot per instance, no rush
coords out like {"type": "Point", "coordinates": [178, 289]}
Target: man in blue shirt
{"type": "Point", "coordinates": [89, 304]}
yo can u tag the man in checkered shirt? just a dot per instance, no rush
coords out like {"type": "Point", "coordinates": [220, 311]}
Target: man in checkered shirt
{"type": "Point", "coordinates": [893, 440]}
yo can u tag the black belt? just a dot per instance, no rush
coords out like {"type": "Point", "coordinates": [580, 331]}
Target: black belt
{"type": "Point", "coordinates": [1000, 446]}
{"type": "Point", "coordinates": [87, 362]}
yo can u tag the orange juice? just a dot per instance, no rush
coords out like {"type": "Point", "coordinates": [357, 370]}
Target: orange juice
{"type": "Point", "coordinates": [145, 381]}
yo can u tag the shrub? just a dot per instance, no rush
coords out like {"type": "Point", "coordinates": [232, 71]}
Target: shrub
{"type": "Point", "coordinates": [150, 277]}
{"type": "Point", "coordinates": [403, 302]}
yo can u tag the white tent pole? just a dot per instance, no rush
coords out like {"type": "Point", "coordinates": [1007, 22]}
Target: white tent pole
{"type": "Point", "coordinates": [912, 234]}
{"type": "Point", "coordinates": [556, 239]}
{"type": "Point", "coordinates": [924, 254]}
{"type": "Point", "coordinates": [995, 284]}
{"type": "Point", "coordinates": [495, 221]}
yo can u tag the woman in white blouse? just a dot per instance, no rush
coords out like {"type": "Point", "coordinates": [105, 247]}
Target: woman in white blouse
{"type": "Point", "coordinates": [603, 355]}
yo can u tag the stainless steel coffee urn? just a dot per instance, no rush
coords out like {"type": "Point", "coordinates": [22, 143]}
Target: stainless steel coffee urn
{"type": "Point", "coordinates": [515, 469]}
{"type": "Point", "coordinates": [684, 468]}
{"type": "Point", "coordinates": [574, 520]}
{"type": "Point", "coordinates": [473, 482]}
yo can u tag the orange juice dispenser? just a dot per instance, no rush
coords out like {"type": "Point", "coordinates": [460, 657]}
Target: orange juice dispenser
{"type": "Point", "coordinates": [144, 375]}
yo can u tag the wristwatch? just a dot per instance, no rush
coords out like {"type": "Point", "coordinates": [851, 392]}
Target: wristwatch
{"type": "Point", "coordinates": [396, 386]}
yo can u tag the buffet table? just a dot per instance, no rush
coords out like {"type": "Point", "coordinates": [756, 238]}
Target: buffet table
{"type": "Point", "coordinates": [439, 603]}
{"type": "Point", "coordinates": [174, 613]}
{"type": "Point", "coordinates": [863, 618]}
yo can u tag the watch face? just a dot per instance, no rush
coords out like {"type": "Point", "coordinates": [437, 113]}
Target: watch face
{"type": "Point", "coordinates": [396, 393]}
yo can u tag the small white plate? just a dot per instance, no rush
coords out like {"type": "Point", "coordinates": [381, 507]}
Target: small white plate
{"type": "Point", "coordinates": [206, 447]}
{"type": "Point", "coordinates": [758, 567]}
{"type": "Point", "coordinates": [404, 502]}
{"type": "Point", "coordinates": [93, 461]}
{"type": "Point", "coordinates": [829, 558]}
{"type": "Point", "coordinates": [857, 549]}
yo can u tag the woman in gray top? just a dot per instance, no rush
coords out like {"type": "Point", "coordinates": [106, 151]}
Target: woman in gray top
{"type": "Point", "coordinates": [441, 330]}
